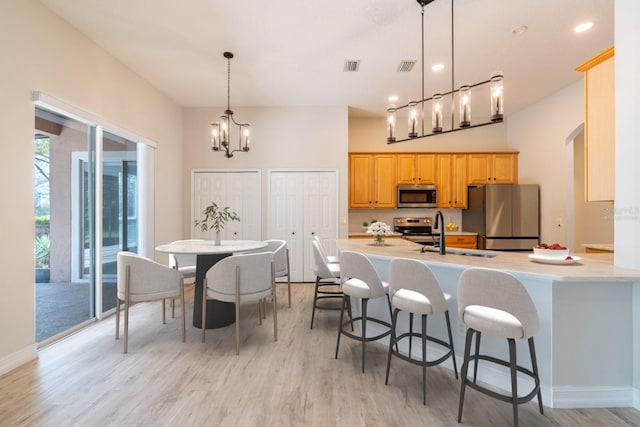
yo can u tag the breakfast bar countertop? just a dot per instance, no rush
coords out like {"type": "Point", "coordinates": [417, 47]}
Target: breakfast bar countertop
{"type": "Point", "coordinates": [589, 266]}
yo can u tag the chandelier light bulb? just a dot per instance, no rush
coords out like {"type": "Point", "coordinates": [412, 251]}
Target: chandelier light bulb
{"type": "Point", "coordinates": [497, 97]}
{"type": "Point", "coordinates": [391, 123]}
{"type": "Point", "coordinates": [413, 119]}
{"type": "Point", "coordinates": [464, 102]}
{"type": "Point", "coordinates": [436, 113]}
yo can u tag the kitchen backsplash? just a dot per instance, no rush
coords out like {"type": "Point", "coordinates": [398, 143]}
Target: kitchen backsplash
{"type": "Point", "coordinates": [358, 216]}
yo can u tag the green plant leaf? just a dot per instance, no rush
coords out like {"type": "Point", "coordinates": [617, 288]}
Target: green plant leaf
{"type": "Point", "coordinates": [215, 218]}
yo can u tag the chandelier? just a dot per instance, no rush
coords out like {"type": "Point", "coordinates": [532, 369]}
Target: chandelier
{"type": "Point", "coordinates": [416, 109]}
{"type": "Point", "coordinates": [220, 130]}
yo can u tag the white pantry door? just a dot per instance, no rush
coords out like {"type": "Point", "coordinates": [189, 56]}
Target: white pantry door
{"type": "Point", "coordinates": [240, 190]}
{"type": "Point", "coordinates": [303, 204]}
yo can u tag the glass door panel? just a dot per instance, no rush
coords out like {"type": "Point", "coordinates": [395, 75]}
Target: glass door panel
{"type": "Point", "coordinates": [119, 208]}
{"type": "Point", "coordinates": [64, 298]}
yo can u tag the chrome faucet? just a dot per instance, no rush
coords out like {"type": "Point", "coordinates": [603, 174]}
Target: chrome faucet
{"type": "Point", "coordinates": [441, 228]}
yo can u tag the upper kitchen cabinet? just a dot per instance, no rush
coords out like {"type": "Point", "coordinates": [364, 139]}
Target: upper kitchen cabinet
{"type": "Point", "coordinates": [599, 129]}
{"type": "Point", "coordinates": [416, 168]}
{"type": "Point", "coordinates": [372, 180]}
{"type": "Point", "coordinates": [451, 180]}
{"type": "Point", "coordinates": [493, 168]}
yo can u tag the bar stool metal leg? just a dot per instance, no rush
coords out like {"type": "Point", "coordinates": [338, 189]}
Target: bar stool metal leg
{"type": "Point", "coordinates": [514, 379]}
{"type": "Point", "coordinates": [464, 370]}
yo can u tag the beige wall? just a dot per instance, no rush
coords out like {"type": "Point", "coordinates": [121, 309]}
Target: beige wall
{"type": "Point", "coordinates": [281, 138]}
{"type": "Point", "coordinates": [369, 134]}
{"type": "Point", "coordinates": [41, 52]}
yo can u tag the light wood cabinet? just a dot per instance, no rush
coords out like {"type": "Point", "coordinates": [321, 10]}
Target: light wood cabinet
{"type": "Point", "coordinates": [372, 180]}
{"type": "Point", "coordinates": [599, 133]}
{"type": "Point", "coordinates": [460, 241]}
{"type": "Point", "coordinates": [493, 168]}
{"type": "Point", "coordinates": [451, 180]}
{"type": "Point", "coordinates": [416, 168]}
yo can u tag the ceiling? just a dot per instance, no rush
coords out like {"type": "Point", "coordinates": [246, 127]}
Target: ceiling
{"type": "Point", "coordinates": [292, 52]}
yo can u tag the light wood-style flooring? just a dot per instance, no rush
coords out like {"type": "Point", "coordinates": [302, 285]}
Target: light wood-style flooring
{"type": "Point", "coordinates": [86, 380]}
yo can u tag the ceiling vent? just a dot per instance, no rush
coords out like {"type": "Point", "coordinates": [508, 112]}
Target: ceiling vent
{"type": "Point", "coordinates": [406, 66]}
{"type": "Point", "coordinates": [351, 65]}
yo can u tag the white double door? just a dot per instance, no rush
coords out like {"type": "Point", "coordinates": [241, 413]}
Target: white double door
{"type": "Point", "coordinates": [238, 189]}
{"type": "Point", "coordinates": [303, 204]}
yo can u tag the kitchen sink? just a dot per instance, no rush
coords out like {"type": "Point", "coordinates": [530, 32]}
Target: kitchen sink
{"type": "Point", "coordinates": [465, 252]}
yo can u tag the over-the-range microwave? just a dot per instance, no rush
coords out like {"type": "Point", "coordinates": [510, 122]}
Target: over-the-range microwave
{"type": "Point", "coordinates": [417, 196]}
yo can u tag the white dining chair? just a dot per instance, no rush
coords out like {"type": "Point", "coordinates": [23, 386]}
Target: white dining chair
{"type": "Point", "coordinates": [141, 279]}
{"type": "Point", "coordinates": [241, 278]}
{"type": "Point", "coordinates": [185, 264]}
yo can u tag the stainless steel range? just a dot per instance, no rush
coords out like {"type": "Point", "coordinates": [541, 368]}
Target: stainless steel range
{"type": "Point", "coordinates": [417, 229]}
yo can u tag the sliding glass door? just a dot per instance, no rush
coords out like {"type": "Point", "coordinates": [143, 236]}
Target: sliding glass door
{"type": "Point", "coordinates": [86, 198]}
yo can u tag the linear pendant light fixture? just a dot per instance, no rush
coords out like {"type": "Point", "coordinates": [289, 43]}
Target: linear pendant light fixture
{"type": "Point", "coordinates": [220, 130]}
{"type": "Point", "coordinates": [415, 109]}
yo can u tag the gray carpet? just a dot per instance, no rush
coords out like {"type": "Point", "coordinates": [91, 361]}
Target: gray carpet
{"type": "Point", "coordinates": [60, 306]}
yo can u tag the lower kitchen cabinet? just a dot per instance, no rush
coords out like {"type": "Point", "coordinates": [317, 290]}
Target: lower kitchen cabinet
{"type": "Point", "coordinates": [465, 241]}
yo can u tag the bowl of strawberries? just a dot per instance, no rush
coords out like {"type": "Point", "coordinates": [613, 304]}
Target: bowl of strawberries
{"type": "Point", "coordinates": [552, 251]}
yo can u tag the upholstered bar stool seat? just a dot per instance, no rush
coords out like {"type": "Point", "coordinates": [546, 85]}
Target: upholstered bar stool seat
{"type": "Point", "coordinates": [496, 303]}
{"type": "Point", "coordinates": [415, 290]}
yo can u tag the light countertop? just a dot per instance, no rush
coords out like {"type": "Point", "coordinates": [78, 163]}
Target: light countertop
{"type": "Point", "coordinates": [589, 267]}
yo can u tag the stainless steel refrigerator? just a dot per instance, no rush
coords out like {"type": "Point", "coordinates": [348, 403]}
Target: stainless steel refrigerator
{"type": "Point", "coordinates": [505, 216]}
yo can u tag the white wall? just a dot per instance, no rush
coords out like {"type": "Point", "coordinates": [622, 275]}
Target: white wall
{"type": "Point", "coordinates": [627, 207]}
{"type": "Point", "coordinates": [281, 138]}
{"type": "Point", "coordinates": [41, 52]}
{"type": "Point", "coordinates": [540, 133]}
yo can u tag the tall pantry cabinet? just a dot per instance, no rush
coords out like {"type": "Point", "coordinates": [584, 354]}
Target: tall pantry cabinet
{"type": "Point", "coordinates": [303, 204]}
{"type": "Point", "coordinates": [599, 126]}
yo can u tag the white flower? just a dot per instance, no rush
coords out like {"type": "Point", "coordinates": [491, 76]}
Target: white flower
{"type": "Point", "coordinates": [379, 229]}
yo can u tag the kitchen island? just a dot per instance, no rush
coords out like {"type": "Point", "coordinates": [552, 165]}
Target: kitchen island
{"type": "Point", "coordinates": [588, 313]}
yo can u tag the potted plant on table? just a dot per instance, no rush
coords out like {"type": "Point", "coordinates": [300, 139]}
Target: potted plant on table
{"type": "Point", "coordinates": [215, 218]}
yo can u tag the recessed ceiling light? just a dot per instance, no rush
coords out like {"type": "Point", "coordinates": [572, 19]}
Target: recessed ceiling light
{"type": "Point", "coordinates": [519, 30]}
{"type": "Point", "coordinates": [438, 67]}
{"type": "Point", "coordinates": [583, 27]}
{"type": "Point", "coordinates": [393, 98]}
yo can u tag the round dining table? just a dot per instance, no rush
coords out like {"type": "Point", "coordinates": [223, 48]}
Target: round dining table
{"type": "Point", "coordinates": [219, 313]}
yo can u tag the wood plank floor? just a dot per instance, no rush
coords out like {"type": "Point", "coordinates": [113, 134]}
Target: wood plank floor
{"type": "Point", "coordinates": [86, 380]}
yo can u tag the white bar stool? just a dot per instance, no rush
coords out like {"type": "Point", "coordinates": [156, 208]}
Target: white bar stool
{"type": "Point", "coordinates": [360, 280]}
{"type": "Point", "coordinates": [496, 303]}
{"type": "Point", "coordinates": [414, 289]}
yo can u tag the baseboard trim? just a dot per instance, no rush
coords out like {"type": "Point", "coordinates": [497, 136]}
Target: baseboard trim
{"type": "Point", "coordinates": [556, 397]}
{"type": "Point", "coordinates": [594, 397]}
{"type": "Point", "coordinates": [20, 357]}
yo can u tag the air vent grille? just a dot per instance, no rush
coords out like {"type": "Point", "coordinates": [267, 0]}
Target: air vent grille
{"type": "Point", "coordinates": [406, 65]}
{"type": "Point", "coordinates": [351, 65]}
